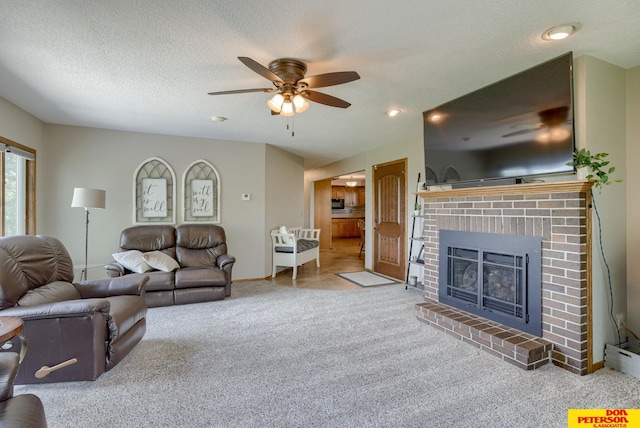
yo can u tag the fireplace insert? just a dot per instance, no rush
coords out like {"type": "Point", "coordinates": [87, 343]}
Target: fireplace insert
{"type": "Point", "coordinates": [495, 276]}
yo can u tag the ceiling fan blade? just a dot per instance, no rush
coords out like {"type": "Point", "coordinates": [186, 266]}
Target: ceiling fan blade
{"type": "Point", "coordinates": [325, 99]}
{"type": "Point", "coordinates": [243, 91]}
{"type": "Point", "coordinates": [520, 132]}
{"type": "Point", "coordinates": [329, 79]}
{"type": "Point", "coordinates": [260, 69]}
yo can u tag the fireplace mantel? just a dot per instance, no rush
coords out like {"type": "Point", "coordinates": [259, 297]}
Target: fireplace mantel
{"type": "Point", "coordinates": [519, 189]}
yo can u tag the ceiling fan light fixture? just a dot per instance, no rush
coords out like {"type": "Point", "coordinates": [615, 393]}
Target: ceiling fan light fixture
{"type": "Point", "coordinates": [560, 32]}
{"type": "Point", "coordinates": [300, 103]}
{"type": "Point", "coordinates": [276, 103]}
{"type": "Point", "coordinates": [287, 108]}
{"type": "Point", "coordinates": [288, 77]}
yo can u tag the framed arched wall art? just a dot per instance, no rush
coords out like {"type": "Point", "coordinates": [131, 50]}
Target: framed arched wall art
{"type": "Point", "coordinates": [154, 193]}
{"type": "Point", "coordinates": [201, 196]}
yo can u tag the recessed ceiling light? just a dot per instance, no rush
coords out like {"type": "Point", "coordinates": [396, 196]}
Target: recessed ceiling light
{"type": "Point", "coordinates": [218, 119]}
{"type": "Point", "coordinates": [560, 32]}
{"type": "Point", "coordinates": [393, 112]}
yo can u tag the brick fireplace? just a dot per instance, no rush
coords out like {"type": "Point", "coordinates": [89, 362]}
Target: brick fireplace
{"type": "Point", "coordinates": [557, 213]}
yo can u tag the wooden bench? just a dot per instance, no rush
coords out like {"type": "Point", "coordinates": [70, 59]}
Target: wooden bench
{"type": "Point", "coordinates": [294, 248]}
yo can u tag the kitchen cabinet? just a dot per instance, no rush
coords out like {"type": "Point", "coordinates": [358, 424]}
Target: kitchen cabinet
{"type": "Point", "coordinates": [345, 228]}
{"type": "Point", "coordinates": [353, 196]}
{"type": "Point", "coordinates": [350, 197]}
{"type": "Point", "coordinates": [352, 228]}
{"type": "Point", "coordinates": [361, 193]}
{"type": "Point", "coordinates": [339, 227]}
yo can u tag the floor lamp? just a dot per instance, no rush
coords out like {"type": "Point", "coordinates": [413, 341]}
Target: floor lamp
{"type": "Point", "coordinates": [87, 198]}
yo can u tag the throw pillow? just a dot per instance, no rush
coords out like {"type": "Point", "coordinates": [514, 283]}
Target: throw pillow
{"type": "Point", "coordinates": [161, 261]}
{"type": "Point", "coordinates": [132, 260]}
{"type": "Point", "coordinates": [283, 230]}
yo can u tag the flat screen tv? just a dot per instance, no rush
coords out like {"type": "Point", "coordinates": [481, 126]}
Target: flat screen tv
{"type": "Point", "coordinates": [512, 130]}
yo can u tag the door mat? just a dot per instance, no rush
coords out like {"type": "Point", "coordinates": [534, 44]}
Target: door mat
{"type": "Point", "coordinates": [367, 279]}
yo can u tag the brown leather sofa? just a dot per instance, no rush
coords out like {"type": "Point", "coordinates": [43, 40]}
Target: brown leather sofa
{"type": "Point", "coordinates": [97, 322]}
{"type": "Point", "coordinates": [203, 269]}
{"type": "Point", "coordinates": [25, 410]}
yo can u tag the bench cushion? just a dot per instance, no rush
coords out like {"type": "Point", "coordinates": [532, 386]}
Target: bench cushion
{"type": "Point", "coordinates": [302, 245]}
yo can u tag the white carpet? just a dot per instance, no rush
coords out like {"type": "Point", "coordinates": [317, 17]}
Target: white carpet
{"type": "Point", "coordinates": [274, 356]}
{"type": "Point", "coordinates": [366, 279]}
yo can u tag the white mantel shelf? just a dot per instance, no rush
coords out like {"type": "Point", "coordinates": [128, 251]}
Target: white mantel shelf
{"type": "Point", "coordinates": [512, 189]}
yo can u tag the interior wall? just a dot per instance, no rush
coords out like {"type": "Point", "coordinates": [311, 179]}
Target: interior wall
{"type": "Point", "coordinates": [284, 194]}
{"type": "Point", "coordinates": [107, 159]}
{"type": "Point", "coordinates": [601, 127]}
{"type": "Point", "coordinates": [633, 199]}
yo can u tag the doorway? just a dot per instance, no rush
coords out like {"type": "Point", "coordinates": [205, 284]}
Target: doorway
{"type": "Point", "coordinates": [348, 214]}
{"type": "Point", "coordinates": [389, 218]}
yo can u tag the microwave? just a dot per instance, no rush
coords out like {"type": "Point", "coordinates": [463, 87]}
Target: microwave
{"type": "Point", "coordinates": [337, 204]}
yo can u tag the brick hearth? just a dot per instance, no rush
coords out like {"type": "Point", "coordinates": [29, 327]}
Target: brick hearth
{"type": "Point", "coordinates": [554, 211]}
{"type": "Point", "coordinates": [514, 346]}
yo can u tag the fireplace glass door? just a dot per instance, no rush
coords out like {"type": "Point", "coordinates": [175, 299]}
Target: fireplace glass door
{"type": "Point", "coordinates": [462, 275]}
{"type": "Point", "coordinates": [503, 279]}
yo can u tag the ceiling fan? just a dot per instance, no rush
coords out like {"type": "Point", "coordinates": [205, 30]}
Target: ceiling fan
{"type": "Point", "coordinates": [550, 119]}
{"type": "Point", "coordinates": [292, 87]}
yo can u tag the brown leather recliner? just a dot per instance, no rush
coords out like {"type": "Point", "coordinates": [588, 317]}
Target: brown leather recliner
{"type": "Point", "coordinates": [203, 269]}
{"type": "Point", "coordinates": [98, 322]}
{"type": "Point", "coordinates": [23, 410]}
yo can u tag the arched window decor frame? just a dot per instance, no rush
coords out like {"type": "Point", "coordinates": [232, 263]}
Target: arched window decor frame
{"type": "Point", "coordinates": [201, 196]}
{"type": "Point", "coordinates": [154, 193]}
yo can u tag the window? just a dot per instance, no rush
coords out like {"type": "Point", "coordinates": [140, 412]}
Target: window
{"type": "Point", "coordinates": [17, 164]}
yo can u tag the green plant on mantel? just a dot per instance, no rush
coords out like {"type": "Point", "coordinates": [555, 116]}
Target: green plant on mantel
{"type": "Point", "coordinates": [597, 164]}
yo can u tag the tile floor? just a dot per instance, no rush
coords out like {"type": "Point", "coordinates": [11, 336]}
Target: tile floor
{"type": "Point", "coordinates": [343, 257]}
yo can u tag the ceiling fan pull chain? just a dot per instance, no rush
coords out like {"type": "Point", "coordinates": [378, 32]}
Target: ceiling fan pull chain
{"type": "Point", "coordinates": [292, 125]}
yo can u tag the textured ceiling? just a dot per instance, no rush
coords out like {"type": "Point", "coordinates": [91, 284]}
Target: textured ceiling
{"type": "Point", "coordinates": [147, 65]}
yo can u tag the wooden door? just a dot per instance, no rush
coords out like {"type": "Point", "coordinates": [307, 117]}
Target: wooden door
{"type": "Point", "coordinates": [389, 219]}
{"type": "Point", "coordinates": [322, 211]}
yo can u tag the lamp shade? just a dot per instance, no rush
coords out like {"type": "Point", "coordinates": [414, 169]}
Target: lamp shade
{"type": "Point", "coordinates": [287, 108]}
{"type": "Point", "coordinates": [275, 103]}
{"type": "Point", "coordinates": [300, 103]}
{"type": "Point", "coordinates": [88, 198]}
